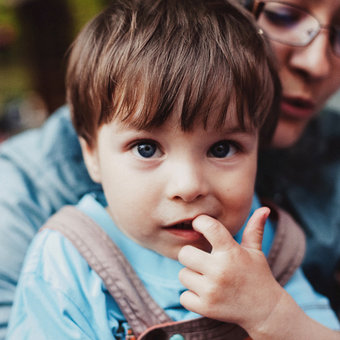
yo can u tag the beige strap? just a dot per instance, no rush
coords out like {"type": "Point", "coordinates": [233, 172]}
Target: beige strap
{"type": "Point", "coordinates": [110, 264]}
{"type": "Point", "coordinates": [143, 314]}
{"type": "Point", "coordinates": [288, 248]}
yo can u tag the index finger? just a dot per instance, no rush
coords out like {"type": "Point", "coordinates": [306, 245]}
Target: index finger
{"type": "Point", "coordinates": [214, 231]}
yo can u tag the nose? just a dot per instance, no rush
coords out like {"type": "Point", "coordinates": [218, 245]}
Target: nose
{"type": "Point", "coordinates": [186, 182]}
{"type": "Point", "coordinates": [313, 60]}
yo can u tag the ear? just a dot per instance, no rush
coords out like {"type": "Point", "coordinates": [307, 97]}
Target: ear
{"type": "Point", "coordinates": [91, 159]}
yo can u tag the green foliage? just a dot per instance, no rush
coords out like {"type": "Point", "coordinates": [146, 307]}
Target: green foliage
{"type": "Point", "coordinates": [7, 15]}
{"type": "Point", "coordinates": [84, 10]}
{"type": "Point", "coordinates": [15, 76]}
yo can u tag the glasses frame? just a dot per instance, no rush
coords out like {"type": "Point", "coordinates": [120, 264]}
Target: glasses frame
{"type": "Point", "coordinates": [258, 8]}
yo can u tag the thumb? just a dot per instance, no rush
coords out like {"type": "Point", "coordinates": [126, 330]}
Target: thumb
{"type": "Point", "coordinates": [253, 233]}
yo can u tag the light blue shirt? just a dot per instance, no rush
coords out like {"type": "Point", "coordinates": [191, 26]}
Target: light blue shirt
{"type": "Point", "coordinates": [40, 171]}
{"type": "Point", "coordinates": [60, 297]}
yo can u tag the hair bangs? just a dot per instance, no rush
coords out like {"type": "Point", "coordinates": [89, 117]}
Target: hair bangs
{"type": "Point", "coordinates": [142, 61]}
{"type": "Point", "coordinates": [190, 77]}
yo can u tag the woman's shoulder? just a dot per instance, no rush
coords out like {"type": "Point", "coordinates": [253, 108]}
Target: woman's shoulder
{"type": "Point", "coordinates": [328, 122]}
{"type": "Point", "coordinates": [54, 259]}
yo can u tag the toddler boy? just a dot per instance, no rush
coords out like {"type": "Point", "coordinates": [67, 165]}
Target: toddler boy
{"type": "Point", "coordinates": [171, 100]}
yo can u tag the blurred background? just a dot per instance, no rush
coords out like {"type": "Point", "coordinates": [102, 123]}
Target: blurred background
{"type": "Point", "coordinates": [34, 38]}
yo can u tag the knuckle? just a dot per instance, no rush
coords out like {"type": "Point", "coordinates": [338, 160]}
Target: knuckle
{"type": "Point", "coordinates": [207, 222]}
{"type": "Point", "coordinates": [184, 298]}
{"type": "Point", "coordinates": [212, 225]}
{"type": "Point", "coordinates": [182, 274]}
{"type": "Point", "coordinates": [183, 253]}
{"type": "Point", "coordinates": [211, 292]}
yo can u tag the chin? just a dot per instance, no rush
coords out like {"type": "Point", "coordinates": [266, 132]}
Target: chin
{"type": "Point", "coordinates": [287, 133]}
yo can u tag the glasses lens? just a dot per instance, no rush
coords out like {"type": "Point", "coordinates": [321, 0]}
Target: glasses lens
{"type": "Point", "coordinates": [335, 39]}
{"type": "Point", "coordinates": [288, 24]}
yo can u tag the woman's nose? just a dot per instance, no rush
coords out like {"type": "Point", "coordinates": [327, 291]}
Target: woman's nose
{"type": "Point", "coordinates": [187, 182]}
{"type": "Point", "coordinates": [313, 60]}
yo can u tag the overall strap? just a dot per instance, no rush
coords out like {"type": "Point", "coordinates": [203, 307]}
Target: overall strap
{"type": "Point", "coordinates": [110, 264]}
{"type": "Point", "coordinates": [197, 329]}
{"type": "Point", "coordinates": [143, 314]}
{"type": "Point", "coordinates": [289, 245]}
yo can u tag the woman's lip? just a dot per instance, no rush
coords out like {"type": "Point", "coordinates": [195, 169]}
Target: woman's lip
{"type": "Point", "coordinates": [298, 108]}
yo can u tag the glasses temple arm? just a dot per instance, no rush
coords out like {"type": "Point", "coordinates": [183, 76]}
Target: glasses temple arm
{"type": "Point", "coordinates": [257, 8]}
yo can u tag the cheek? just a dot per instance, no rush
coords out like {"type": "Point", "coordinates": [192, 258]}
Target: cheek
{"type": "Point", "coordinates": [281, 52]}
{"type": "Point", "coordinates": [118, 187]}
{"type": "Point", "coordinates": [129, 211]}
{"type": "Point", "coordinates": [240, 197]}
{"type": "Point", "coordinates": [237, 200]}
{"type": "Point", "coordinates": [238, 212]}
{"type": "Point", "coordinates": [334, 85]}
{"type": "Point", "coordinates": [131, 198]}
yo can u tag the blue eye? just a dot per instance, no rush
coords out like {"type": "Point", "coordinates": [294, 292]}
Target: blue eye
{"type": "Point", "coordinates": [221, 149]}
{"type": "Point", "coordinates": [146, 149]}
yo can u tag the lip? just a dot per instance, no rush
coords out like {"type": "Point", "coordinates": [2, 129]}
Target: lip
{"type": "Point", "coordinates": [182, 229]}
{"type": "Point", "coordinates": [297, 107]}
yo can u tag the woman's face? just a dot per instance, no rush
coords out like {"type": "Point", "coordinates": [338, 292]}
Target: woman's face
{"type": "Point", "coordinates": [309, 74]}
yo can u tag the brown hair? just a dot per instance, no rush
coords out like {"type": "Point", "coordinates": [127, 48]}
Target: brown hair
{"type": "Point", "coordinates": [142, 60]}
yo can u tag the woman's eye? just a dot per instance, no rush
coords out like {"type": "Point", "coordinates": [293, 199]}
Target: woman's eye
{"type": "Point", "coordinates": [146, 150]}
{"type": "Point", "coordinates": [222, 149]}
{"type": "Point", "coordinates": [283, 18]}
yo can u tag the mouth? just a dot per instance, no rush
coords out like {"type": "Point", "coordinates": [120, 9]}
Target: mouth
{"type": "Point", "coordinates": [186, 225]}
{"type": "Point", "coordinates": [297, 108]}
{"type": "Point", "coordinates": [184, 230]}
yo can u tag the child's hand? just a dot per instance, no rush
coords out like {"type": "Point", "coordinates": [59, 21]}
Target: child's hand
{"type": "Point", "coordinates": [234, 282]}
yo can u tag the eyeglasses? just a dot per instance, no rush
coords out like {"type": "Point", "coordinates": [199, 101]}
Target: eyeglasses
{"type": "Point", "coordinates": [291, 25]}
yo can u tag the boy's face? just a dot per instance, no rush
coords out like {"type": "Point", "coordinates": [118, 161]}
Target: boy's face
{"type": "Point", "coordinates": [156, 182]}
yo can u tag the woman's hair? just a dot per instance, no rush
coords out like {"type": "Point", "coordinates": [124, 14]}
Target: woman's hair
{"type": "Point", "coordinates": [142, 60]}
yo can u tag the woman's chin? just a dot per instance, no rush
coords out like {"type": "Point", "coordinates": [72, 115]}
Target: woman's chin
{"type": "Point", "coordinates": [288, 132]}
